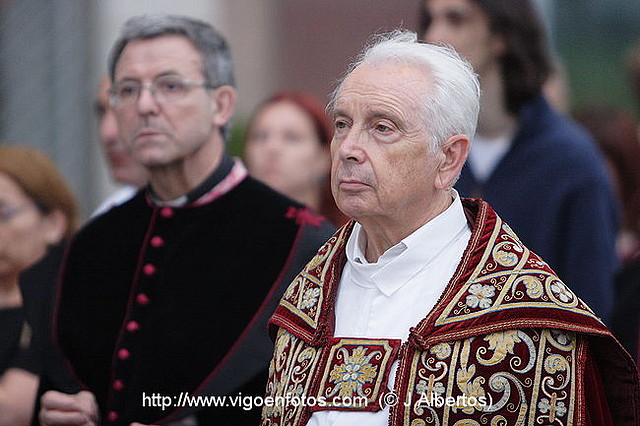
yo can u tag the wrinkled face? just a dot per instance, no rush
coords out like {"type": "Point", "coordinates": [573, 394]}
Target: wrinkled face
{"type": "Point", "coordinates": [25, 232]}
{"type": "Point", "coordinates": [381, 163]}
{"type": "Point", "coordinates": [283, 150]}
{"type": "Point", "coordinates": [463, 25]}
{"type": "Point", "coordinates": [164, 133]}
{"type": "Point", "coordinates": [124, 169]}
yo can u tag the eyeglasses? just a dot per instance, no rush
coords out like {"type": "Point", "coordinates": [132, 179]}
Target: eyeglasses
{"type": "Point", "coordinates": [164, 89]}
{"type": "Point", "coordinates": [8, 212]}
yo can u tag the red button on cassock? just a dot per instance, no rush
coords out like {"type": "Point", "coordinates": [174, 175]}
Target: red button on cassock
{"type": "Point", "coordinates": [123, 354]}
{"type": "Point", "coordinates": [112, 416]}
{"type": "Point", "coordinates": [166, 212]}
{"type": "Point", "coordinates": [132, 326]}
{"type": "Point", "coordinates": [118, 385]}
{"type": "Point", "coordinates": [157, 242]}
{"type": "Point", "coordinates": [149, 269]}
{"type": "Point", "coordinates": [142, 299]}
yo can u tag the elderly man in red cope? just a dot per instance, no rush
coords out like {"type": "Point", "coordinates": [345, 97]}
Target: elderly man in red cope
{"type": "Point", "coordinates": [427, 309]}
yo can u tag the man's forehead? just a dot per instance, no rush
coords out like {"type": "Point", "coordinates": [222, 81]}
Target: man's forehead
{"type": "Point", "coordinates": [165, 54]}
{"type": "Point", "coordinates": [397, 82]}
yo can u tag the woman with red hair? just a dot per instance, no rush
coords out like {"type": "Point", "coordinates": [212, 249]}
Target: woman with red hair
{"type": "Point", "coordinates": [287, 148]}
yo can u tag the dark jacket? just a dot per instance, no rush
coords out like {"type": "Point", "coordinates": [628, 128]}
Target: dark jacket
{"type": "Point", "coordinates": [553, 189]}
{"type": "Point", "coordinates": [159, 302]}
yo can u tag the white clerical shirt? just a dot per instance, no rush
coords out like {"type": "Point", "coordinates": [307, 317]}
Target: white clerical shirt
{"type": "Point", "coordinates": [384, 299]}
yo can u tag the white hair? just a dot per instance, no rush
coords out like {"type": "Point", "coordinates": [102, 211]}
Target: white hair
{"type": "Point", "coordinates": [451, 105]}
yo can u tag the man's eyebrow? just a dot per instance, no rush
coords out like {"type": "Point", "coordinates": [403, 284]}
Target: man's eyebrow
{"type": "Point", "coordinates": [337, 112]}
{"type": "Point", "coordinates": [171, 72]}
{"type": "Point", "coordinates": [387, 114]}
{"type": "Point", "coordinates": [379, 113]}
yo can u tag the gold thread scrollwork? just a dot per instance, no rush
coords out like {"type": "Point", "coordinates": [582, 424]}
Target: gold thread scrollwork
{"type": "Point", "coordinates": [505, 254]}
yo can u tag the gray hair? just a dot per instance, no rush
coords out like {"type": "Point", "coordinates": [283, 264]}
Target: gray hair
{"type": "Point", "coordinates": [451, 106]}
{"type": "Point", "coordinates": [217, 64]}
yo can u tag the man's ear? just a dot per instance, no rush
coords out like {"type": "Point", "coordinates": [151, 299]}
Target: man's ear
{"type": "Point", "coordinates": [453, 154]}
{"type": "Point", "coordinates": [224, 104]}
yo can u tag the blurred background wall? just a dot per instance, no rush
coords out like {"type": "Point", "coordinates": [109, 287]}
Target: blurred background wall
{"type": "Point", "coordinates": [53, 52]}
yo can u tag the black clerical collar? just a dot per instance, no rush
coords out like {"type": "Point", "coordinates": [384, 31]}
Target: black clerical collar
{"type": "Point", "coordinates": [221, 172]}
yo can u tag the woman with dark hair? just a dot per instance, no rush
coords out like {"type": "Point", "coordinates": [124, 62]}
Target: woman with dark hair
{"type": "Point", "coordinates": [37, 211]}
{"type": "Point", "coordinates": [287, 147]}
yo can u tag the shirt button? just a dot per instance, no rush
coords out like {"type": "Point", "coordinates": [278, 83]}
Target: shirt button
{"type": "Point", "coordinates": [149, 269]}
{"type": "Point", "coordinates": [142, 299]}
{"type": "Point", "coordinates": [112, 416]}
{"type": "Point", "coordinates": [166, 212]}
{"type": "Point", "coordinates": [157, 242]}
{"type": "Point", "coordinates": [132, 326]}
{"type": "Point", "coordinates": [118, 385]}
{"type": "Point", "coordinates": [123, 354]}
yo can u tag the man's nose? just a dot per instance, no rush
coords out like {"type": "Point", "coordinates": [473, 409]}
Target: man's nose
{"type": "Point", "coordinates": [147, 103]}
{"type": "Point", "coordinates": [350, 146]}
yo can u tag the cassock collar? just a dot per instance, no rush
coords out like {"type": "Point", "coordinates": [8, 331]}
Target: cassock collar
{"type": "Point", "coordinates": [221, 172]}
{"type": "Point", "coordinates": [401, 262]}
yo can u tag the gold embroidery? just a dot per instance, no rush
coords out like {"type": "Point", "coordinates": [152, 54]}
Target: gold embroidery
{"type": "Point", "coordinates": [509, 276]}
{"type": "Point", "coordinates": [501, 343]}
{"type": "Point", "coordinates": [517, 377]}
{"type": "Point", "coordinates": [290, 375]}
{"type": "Point", "coordinates": [356, 373]}
{"type": "Point", "coordinates": [304, 297]}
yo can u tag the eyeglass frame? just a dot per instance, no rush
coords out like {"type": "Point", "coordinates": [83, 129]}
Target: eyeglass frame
{"type": "Point", "coordinates": [115, 101]}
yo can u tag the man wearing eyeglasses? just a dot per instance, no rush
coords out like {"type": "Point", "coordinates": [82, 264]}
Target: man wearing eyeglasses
{"type": "Point", "coordinates": [166, 297]}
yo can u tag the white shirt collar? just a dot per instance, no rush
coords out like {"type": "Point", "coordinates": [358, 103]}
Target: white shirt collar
{"type": "Point", "coordinates": [401, 262]}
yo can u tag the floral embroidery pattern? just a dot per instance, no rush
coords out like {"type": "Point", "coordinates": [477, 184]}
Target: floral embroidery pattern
{"type": "Point", "coordinates": [562, 337]}
{"type": "Point", "coordinates": [480, 296]}
{"type": "Point", "coordinates": [310, 298]}
{"type": "Point", "coordinates": [356, 368]}
{"type": "Point", "coordinates": [305, 295]}
{"type": "Point", "coordinates": [562, 292]}
{"type": "Point", "coordinates": [430, 387]}
{"type": "Point", "coordinates": [354, 373]}
{"type": "Point", "coordinates": [509, 275]}
{"type": "Point", "coordinates": [553, 407]}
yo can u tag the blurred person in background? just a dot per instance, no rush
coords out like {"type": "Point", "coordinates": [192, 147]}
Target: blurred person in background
{"type": "Point", "coordinates": [540, 170]}
{"type": "Point", "coordinates": [123, 168]}
{"type": "Point", "coordinates": [287, 147]}
{"type": "Point", "coordinates": [38, 282]}
{"type": "Point", "coordinates": [632, 66]}
{"type": "Point", "coordinates": [556, 88]}
{"type": "Point", "coordinates": [615, 131]}
{"type": "Point", "coordinates": [37, 211]}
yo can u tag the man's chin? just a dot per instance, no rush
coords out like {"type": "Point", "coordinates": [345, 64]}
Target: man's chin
{"type": "Point", "coordinates": [353, 209]}
{"type": "Point", "coordinates": [150, 158]}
